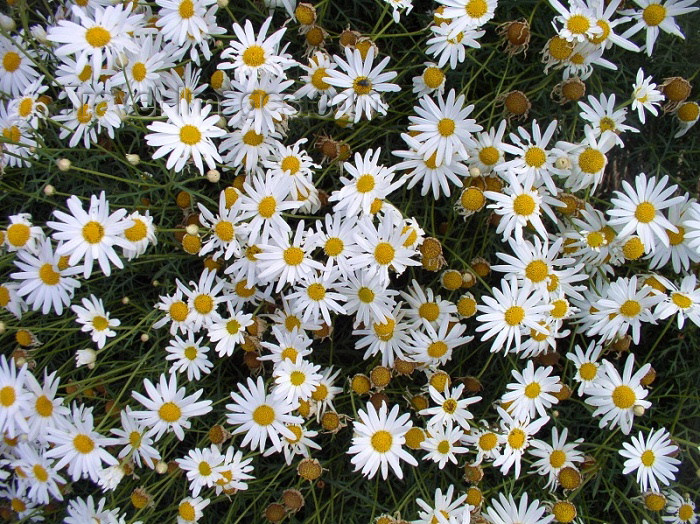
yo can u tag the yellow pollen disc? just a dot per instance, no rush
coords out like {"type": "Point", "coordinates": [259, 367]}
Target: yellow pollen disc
{"type": "Point", "coordinates": [203, 304]}
{"type": "Point", "coordinates": [654, 14]}
{"type": "Point", "coordinates": [532, 390]}
{"type": "Point", "coordinates": [217, 79]}
{"type": "Point", "coordinates": [93, 232]}
{"type": "Point", "coordinates": [186, 9]}
{"type": "Point", "coordinates": [645, 212]}
{"type": "Point", "coordinates": [100, 323]}
{"type": "Point", "coordinates": [13, 134]}
{"type": "Point", "coordinates": [578, 24]}
{"type": "Point", "coordinates": [11, 61]}
{"type": "Point", "coordinates": [489, 155]}
{"type": "Point", "coordinates": [186, 94]}
{"type": "Point", "coordinates": [48, 276]}
{"type": "Point", "coordinates": [83, 443]}
{"type": "Point", "coordinates": [588, 371]}
{"type": "Point", "coordinates": [564, 511]}
{"type": "Point", "coordinates": [362, 85]}
{"type": "Point", "coordinates": [297, 378]}
{"type": "Point", "coordinates": [476, 8]}
{"type": "Point", "coordinates": [137, 232]}
{"type": "Point", "coordinates": [648, 458]}
{"type": "Point", "coordinates": [251, 138]}
{"type": "Point", "coordinates": [430, 311]}
{"type": "Point", "coordinates": [224, 230]}
{"type": "Point", "coordinates": [333, 247]}
{"type": "Point", "coordinates": [83, 114]}
{"type": "Point", "coordinates": [431, 162]}
{"type": "Point", "coordinates": [289, 354]}
{"type": "Point", "coordinates": [676, 238]}
{"type": "Point", "coordinates": [178, 311]}
{"type": "Point", "coordinates": [317, 79]}
{"type": "Point", "coordinates": [382, 441]}
{"type": "Point", "coordinates": [557, 458]}
{"type": "Point", "coordinates": [596, 239]}
{"type": "Point", "coordinates": [385, 330]}
{"type": "Point", "coordinates": [514, 315]}
{"type": "Point", "coordinates": [633, 248]}
{"type": "Point", "coordinates": [297, 433]}
{"type": "Point", "coordinates": [316, 292]}
{"type": "Point", "coordinates": [254, 56]}
{"type": "Point", "coordinates": [559, 48]}
{"type": "Point", "coordinates": [204, 469]}
{"type": "Point", "coordinates": [18, 505]}
{"type": "Point", "coordinates": [560, 308]}
{"type": "Point", "coordinates": [384, 253]}
{"type": "Point", "coordinates": [365, 295]}
{"type": "Point", "coordinates": [524, 205]}
{"type": "Point", "coordinates": [466, 306]}
{"type": "Point", "coordinates": [536, 271]}
{"type": "Point", "coordinates": [605, 32]}
{"type": "Point", "coordinates": [25, 107]}
{"type": "Point", "coordinates": [242, 289]}
{"type": "Point", "coordinates": [535, 157]}
{"type": "Point", "coordinates": [591, 160]}
{"type": "Point", "coordinates": [365, 183]}
{"type": "Point", "coordinates": [474, 496]}
{"type": "Point", "coordinates": [577, 59]}
{"type": "Point", "coordinates": [681, 300]}
{"type": "Point", "coordinates": [433, 77]}
{"type": "Point", "coordinates": [444, 447]}
{"type": "Point", "coordinates": [686, 512]}
{"type": "Point", "coordinates": [516, 438]}
{"type": "Point", "coordinates": [138, 71]}
{"type": "Point", "coordinates": [457, 39]}
{"type": "Point", "coordinates": [607, 124]}
{"type": "Point", "coordinates": [264, 415]}
{"type": "Point", "coordinates": [655, 501]}
{"type": "Point", "coordinates": [190, 352]}
{"type": "Point", "coordinates": [98, 36]}
{"type": "Point", "coordinates": [291, 164]}
{"type": "Point", "coordinates": [101, 109]}
{"type": "Point", "coordinates": [291, 323]}
{"type": "Point", "coordinates": [233, 326]}
{"type": "Point", "coordinates": [267, 207]}
{"type": "Point", "coordinates": [24, 338]}
{"type": "Point", "coordinates": [688, 112]}
{"type": "Point", "coordinates": [446, 127]}
{"type": "Point", "coordinates": [186, 511]}
{"type": "Point", "coordinates": [169, 412]}
{"type": "Point", "coordinates": [85, 74]}
{"type": "Point", "coordinates": [40, 473]}
{"type": "Point", "coordinates": [293, 256]}
{"type": "Point", "coordinates": [539, 336]}
{"type": "Point", "coordinates": [488, 441]}
{"type": "Point", "coordinates": [7, 396]}
{"type": "Point", "coordinates": [4, 296]}
{"type": "Point", "coordinates": [320, 393]}
{"type": "Point", "coordinates": [18, 234]}
{"type": "Point", "coordinates": [630, 308]}
{"type": "Point", "coordinates": [449, 406]}
{"type": "Point", "coordinates": [43, 406]}
{"type": "Point", "coordinates": [258, 98]}
{"type": "Point", "coordinates": [437, 349]}
{"type": "Point", "coordinates": [623, 397]}
{"type": "Point", "coordinates": [190, 135]}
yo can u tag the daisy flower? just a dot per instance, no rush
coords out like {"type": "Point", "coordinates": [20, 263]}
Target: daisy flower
{"type": "Point", "coordinates": [432, 80]}
{"type": "Point", "coordinates": [260, 415]}
{"type": "Point", "coordinates": [227, 232]}
{"type": "Point", "coordinates": [553, 458]}
{"type": "Point", "coordinates": [90, 235]}
{"type": "Point", "coordinates": [467, 14]}
{"type": "Point", "coordinates": [680, 509]}
{"type": "Point", "coordinates": [45, 283]}
{"type": "Point", "coordinates": [532, 393]}
{"type": "Point", "coordinates": [186, 135]}
{"type": "Point", "coordinates": [191, 509]}
{"type": "Point", "coordinates": [94, 320]}
{"type": "Point", "coordinates": [252, 55]}
{"type": "Point", "coordinates": [378, 441]}
{"type": "Point", "coordinates": [287, 345]}
{"type": "Point", "coordinates": [507, 511]}
{"type": "Point", "coordinates": [78, 446]}
{"type": "Point", "coordinates": [202, 300]}
{"type": "Point", "coordinates": [687, 116]}
{"type": "Point", "coordinates": [485, 442]}
{"type": "Point", "coordinates": [14, 398]}
{"type": "Point", "coordinates": [368, 298]}
{"type": "Point", "coordinates": [486, 151]}
{"type": "Point", "coordinates": [601, 114]}
{"type": "Point", "coordinates": [389, 336]}
{"type": "Point", "coordinates": [295, 379]}
{"type": "Point", "coordinates": [140, 234]}
{"type": "Point", "coordinates": [99, 37]}
{"type": "Point", "coordinates": [680, 251]}
{"type": "Point", "coordinates": [683, 300]}
{"type": "Point", "coordinates": [168, 408]}
{"type": "Point", "coordinates": [202, 467]}
{"type": "Point", "coordinates": [452, 48]}
{"type": "Point", "coordinates": [588, 159]}
{"type": "Point", "coordinates": [587, 365]}
{"type": "Point", "coordinates": [41, 476]}
{"type": "Point", "coordinates": [78, 120]}
{"type": "Point", "coordinates": [229, 331]}
{"type": "Point", "coordinates": [301, 444]}
{"type": "Point", "coordinates": [177, 88]}
{"type": "Point", "coordinates": [444, 510]}
{"type": "Point", "coordinates": [136, 439]}
{"type": "Point", "coordinates": [81, 510]}
{"type": "Point", "coordinates": [443, 127]}
{"type": "Point", "coordinates": [314, 297]}
{"type": "Point", "coordinates": [652, 458]}
{"type": "Point", "coordinates": [44, 409]}
{"type": "Point", "coordinates": [638, 210]}
{"type": "Point", "coordinates": [178, 313]}
{"type": "Point", "coordinates": [508, 312]}
{"type": "Point", "coordinates": [21, 234]}
{"type": "Point", "coordinates": [189, 356]}
{"type": "Point", "coordinates": [424, 308]}
{"type": "Point", "coordinates": [17, 71]}
{"type": "Point", "coordinates": [516, 437]}
{"type": "Point", "coordinates": [578, 22]}
{"type": "Point", "coordinates": [603, 14]}
{"type": "Point", "coordinates": [442, 446]}
{"type": "Point", "coordinates": [645, 96]}
{"type": "Point", "coordinates": [450, 409]}
{"type": "Point", "coordinates": [362, 84]}
{"type": "Point", "coordinates": [235, 473]}
{"type": "Point", "coordinates": [655, 15]}
{"type": "Point", "coordinates": [615, 397]}
{"type": "Point", "coordinates": [183, 20]}
{"type": "Point", "coordinates": [314, 81]}
{"type": "Point", "coordinates": [435, 345]}
{"type": "Point", "coordinates": [294, 163]}
{"type": "Point", "coordinates": [335, 235]}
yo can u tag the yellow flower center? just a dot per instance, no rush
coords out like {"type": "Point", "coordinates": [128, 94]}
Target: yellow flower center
{"type": "Point", "coordinates": [98, 36]}
{"type": "Point", "coordinates": [431, 162]}
{"type": "Point", "coordinates": [535, 157]}
{"type": "Point", "coordinates": [623, 397]}
{"type": "Point", "coordinates": [654, 14]}
{"type": "Point", "coordinates": [291, 164]}
{"type": "Point", "coordinates": [591, 160]}
{"type": "Point", "coordinates": [178, 311]}
{"type": "Point", "coordinates": [362, 85]}
{"type": "Point", "coordinates": [681, 300]}
{"type": "Point", "coordinates": [686, 512]}
{"type": "Point", "coordinates": [557, 458]}
{"type": "Point", "coordinates": [385, 330]}
{"type": "Point", "coordinates": [476, 8]}
{"type": "Point", "coordinates": [449, 406]}
{"type": "Point", "coordinates": [365, 183]}
{"type": "Point", "coordinates": [170, 412]}
{"type": "Point", "coordinates": [289, 354]}
{"type": "Point", "coordinates": [7, 396]}
{"type": "Point", "coordinates": [233, 326]}
{"type": "Point", "coordinates": [648, 458]}
{"type": "Point", "coordinates": [384, 253]}
{"type": "Point", "coordinates": [560, 308]}
{"type": "Point", "coordinates": [688, 112]}
{"type": "Point", "coordinates": [514, 315]}
{"type": "Point", "coordinates": [293, 256]}
{"type": "Point", "coordinates": [44, 406]}
{"type": "Point", "coordinates": [254, 56]}
{"type": "Point", "coordinates": [251, 138]}
{"type": "Point", "coordinates": [630, 308]}
{"type": "Point", "coordinates": [560, 48]}
{"type": "Point", "coordinates": [203, 304]}
{"type": "Point", "coordinates": [433, 77]}
{"type": "Point", "coordinates": [93, 232]}
{"type": "Point", "coordinates": [604, 34]}
{"type": "Point", "coordinates": [437, 349]}
{"type": "Point", "coordinates": [316, 292]}
{"type": "Point", "coordinates": [25, 107]}
{"type": "Point", "coordinates": [488, 441]}
{"type": "Point", "coordinates": [137, 232]}
{"type": "Point", "coordinates": [536, 271]}
{"type": "Point", "coordinates": [524, 205]}
{"type": "Point", "coordinates": [224, 230]}
{"type": "Point", "coordinates": [489, 155]}
{"type": "Point", "coordinates": [48, 276]}
{"type": "Point", "coordinates": [446, 127]}
{"type": "Point", "coordinates": [655, 501]}
{"type": "Point", "coordinates": [258, 98]}
{"type": "Point", "coordinates": [264, 415]}
{"type": "Point", "coordinates": [242, 289]}
{"type": "Point", "coordinates": [100, 323]}
{"type": "Point", "coordinates": [606, 124]}
{"type": "Point", "coordinates": [85, 74]}
{"type": "Point", "coordinates": [186, 9]}
{"type": "Point", "coordinates": [532, 390]}
{"type": "Point", "coordinates": [645, 212]}
{"type": "Point", "coordinates": [676, 238]}
{"type": "Point", "coordinates": [186, 511]}
{"type": "Point", "coordinates": [40, 473]}
{"type": "Point", "coordinates": [297, 433]}
{"type": "Point", "coordinates": [588, 371]}
{"type": "Point", "coordinates": [317, 79]}
{"type": "Point", "coordinates": [297, 378]}
{"type": "Point", "coordinates": [333, 247]}
{"type": "Point", "coordinates": [365, 295]}
{"type": "Point", "coordinates": [190, 352]}
{"type": "Point", "coordinates": [382, 441]}
{"type": "Point", "coordinates": [83, 114]}
{"type": "Point", "coordinates": [516, 438]}
{"type": "Point", "coordinates": [564, 511]}
{"type": "Point", "coordinates": [429, 311]}
{"type": "Point", "coordinates": [18, 234]}
{"type": "Point", "coordinates": [138, 71]}
{"type": "Point", "coordinates": [633, 248]}
{"type": "Point", "coordinates": [11, 61]}
{"type": "Point", "coordinates": [444, 447]}
{"type": "Point", "coordinates": [190, 135]}
{"type": "Point", "coordinates": [83, 444]}
{"type": "Point", "coordinates": [267, 207]}
{"type": "Point", "coordinates": [578, 24]}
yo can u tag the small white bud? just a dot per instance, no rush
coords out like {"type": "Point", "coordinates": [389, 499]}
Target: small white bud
{"type": "Point", "coordinates": [85, 357]}
{"type": "Point", "coordinates": [155, 283]}
{"type": "Point", "coordinates": [192, 229]}
{"type": "Point", "coordinates": [49, 190]}
{"type": "Point", "coordinates": [63, 164]}
{"type": "Point", "coordinates": [474, 172]}
{"type": "Point", "coordinates": [638, 410]}
{"type": "Point", "coordinates": [122, 60]}
{"type": "Point", "coordinates": [213, 176]}
{"type": "Point", "coordinates": [39, 33]}
{"type": "Point", "coordinates": [222, 3]}
{"type": "Point", "coordinates": [562, 162]}
{"type": "Point", "coordinates": [161, 467]}
{"type": "Point", "coordinates": [133, 159]}
{"type": "Point", "coordinates": [7, 23]}
{"type": "Point", "coordinates": [144, 337]}
{"type": "Point", "coordinates": [221, 123]}
{"type": "Point", "coordinates": [125, 300]}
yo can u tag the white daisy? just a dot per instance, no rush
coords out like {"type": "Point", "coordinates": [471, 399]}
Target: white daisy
{"type": "Point", "coordinates": [14, 398]}
{"type": "Point", "coordinates": [189, 355]}
{"type": "Point", "coordinates": [442, 445]}
{"type": "Point", "coordinates": [314, 296]}
{"type": "Point", "coordinates": [41, 475]}
{"type": "Point", "coordinates": [202, 300]}
{"type": "Point", "coordinates": [553, 458]}
{"type": "Point", "coordinates": [450, 409]}
{"type": "Point", "coordinates": [368, 297]}
{"type": "Point", "coordinates": [587, 365]}
{"type": "Point", "coordinates": [136, 439]}
{"type": "Point", "coordinates": [652, 458]}
{"type": "Point", "coordinates": [655, 15]}
{"type": "Point", "coordinates": [444, 510]}
{"type": "Point", "coordinates": [602, 116]}
{"type": "Point", "coordinates": [295, 380]}
{"type": "Point", "coordinates": [16, 67]}
{"type": "Point", "coordinates": [645, 96]}
{"type": "Point", "coordinates": [516, 435]}
{"type": "Point", "coordinates": [507, 511]}
{"type": "Point", "coordinates": [140, 234]}
{"type": "Point", "coordinates": [182, 20]}
{"type": "Point", "coordinates": [683, 300]}
{"type": "Point", "coordinates": [21, 234]}
{"type": "Point", "coordinates": [531, 394]}
{"type": "Point", "coordinates": [452, 48]}
{"type": "Point", "coordinates": [44, 409]}
{"type": "Point", "coordinates": [229, 331]}
{"type": "Point", "coordinates": [94, 320]}
{"type": "Point", "coordinates": [203, 468]}
{"type": "Point", "coordinates": [314, 81]}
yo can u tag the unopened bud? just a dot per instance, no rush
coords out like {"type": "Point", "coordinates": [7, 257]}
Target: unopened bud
{"type": "Point", "coordinates": [133, 159]}
{"type": "Point", "coordinates": [192, 229]}
{"type": "Point", "coordinates": [562, 163]}
{"type": "Point", "coordinates": [213, 176]}
{"type": "Point", "coordinates": [161, 467]}
{"type": "Point", "coordinates": [49, 190]}
{"type": "Point", "coordinates": [144, 337]}
{"type": "Point", "coordinates": [474, 172]}
{"type": "Point", "coordinates": [63, 164]}
{"type": "Point", "coordinates": [638, 410]}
